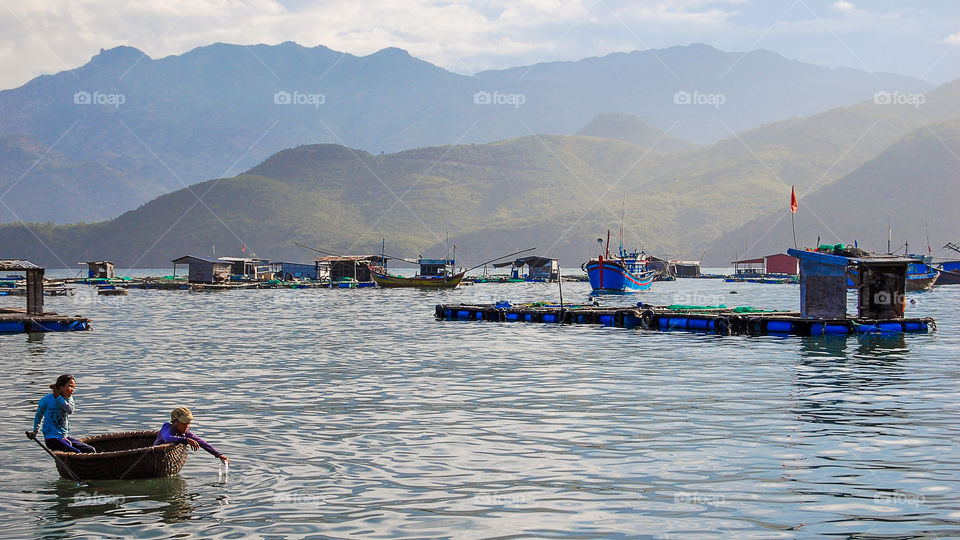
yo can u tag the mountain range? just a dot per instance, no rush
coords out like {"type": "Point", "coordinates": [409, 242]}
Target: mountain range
{"type": "Point", "coordinates": [855, 168]}
{"type": "Point", "coordinates": [157, 125]}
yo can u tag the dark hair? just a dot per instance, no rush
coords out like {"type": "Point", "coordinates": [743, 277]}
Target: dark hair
{"type": "Point", "coordinates": [62, 380]}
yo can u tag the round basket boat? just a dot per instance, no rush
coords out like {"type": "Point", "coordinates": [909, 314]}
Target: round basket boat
{"type": "Point", "coordinates": [123, 456]}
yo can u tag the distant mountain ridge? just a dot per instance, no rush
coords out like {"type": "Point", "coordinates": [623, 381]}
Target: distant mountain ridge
{"type": "Point", "coordinates": [221, 109]}
{"type": "Point", "coordinates": [556, 192]}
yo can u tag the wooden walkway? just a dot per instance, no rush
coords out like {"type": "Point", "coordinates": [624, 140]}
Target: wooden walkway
{"type": "Point", "coordinates": [723, 321]}
{"type": "Point", "coordinates": [15, 321]}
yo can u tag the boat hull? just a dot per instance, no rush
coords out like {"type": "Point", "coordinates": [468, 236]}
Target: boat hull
{"type": "Point", "coordinates": [126, 455]}
{"type": "Point", "coordinates": [388, 281]}
{"type": "Point", "coordinates": [949, 277]}
{"type": "Point", "coordinates": [921, 282]}
{"type": "Point", "coordinates": [612, 276]}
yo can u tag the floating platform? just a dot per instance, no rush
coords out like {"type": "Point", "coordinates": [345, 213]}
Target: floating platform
{"type": "Point", "coordinates": [722, 321]}
{"type": "Point", "coordinates": [14, 321]}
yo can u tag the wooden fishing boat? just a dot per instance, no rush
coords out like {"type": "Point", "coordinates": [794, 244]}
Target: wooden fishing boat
{"type": "Point", "coordinates": [386, 280]}
{"type": "Point", "coordinates": [111, 290]}
{"type": "Point", "coordinates": [122, 456]}
{"type": "Point", "coordinates": [626, 273]}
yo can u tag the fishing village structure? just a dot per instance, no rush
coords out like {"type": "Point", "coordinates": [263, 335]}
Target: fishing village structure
{"type": "Point", "coordinates": [776, 268]}
{"type": "Point", "coordinates": [823, 305]}
{"type": "Point", "coordinates": [34, 318]}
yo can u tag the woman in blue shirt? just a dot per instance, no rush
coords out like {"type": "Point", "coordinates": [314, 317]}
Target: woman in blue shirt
{"type": "Point", "coordinates": [54, 412]}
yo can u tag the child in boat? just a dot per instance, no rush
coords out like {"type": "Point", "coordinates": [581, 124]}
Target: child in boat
{"type": "Point", "coordinates": [54, 412]}
{"type": "Point", "coordinates": [177, 430]}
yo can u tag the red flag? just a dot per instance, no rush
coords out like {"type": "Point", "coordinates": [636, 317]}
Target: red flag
{"type": "Point", "coordinates": [793, 200]}
{"type": "Point", "coordinates": [243, 247]}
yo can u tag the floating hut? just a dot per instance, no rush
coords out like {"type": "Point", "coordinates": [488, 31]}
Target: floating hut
{"type": "Point", "coordinates": [204, 269]}
{"type": "Point", "coordinates": [881, 282]}
{"type": "Point", "coordinates": [348, 270]}
{"type": "Point", "coordinates": [248, 267]}
{"type": "Point", "coordinates": [34, 318]}
{"type": "Point", "coordinates": [289, 271]}
{"type": "Point", "coordinates": [99, 269]}
{"type": "Point", "coordinates": [539, 268]}
{"type": "Point", "coordinates": [778, 263]}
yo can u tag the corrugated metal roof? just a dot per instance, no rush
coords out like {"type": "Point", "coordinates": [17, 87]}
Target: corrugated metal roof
{"type": "Point", "coordinates": [17, 264]}
{"type": "Point", "coordinates": [187, 258]}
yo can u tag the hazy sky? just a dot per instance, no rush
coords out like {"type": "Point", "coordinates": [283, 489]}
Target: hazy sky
{"type": "Point", "coordinates": [919, 38]}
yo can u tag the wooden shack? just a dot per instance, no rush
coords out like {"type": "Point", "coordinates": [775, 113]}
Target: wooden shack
{"type": "Point", "coordinates": [880, 282]}
{"type": "Point", "coordinates": [344, 267]}
{"type": "Point", "coordinates": [539, 268]}
{"type": "Point", "coordinates": [34, 318]}
{"type": "Point", "coordinates": [204, 269]}
{"type": "Point", "coordinates": [99, 269]}
{"type": "Point", "coordinates": [289, 271]}
{"type": "Point", "coordinates": [686, 269]}
{"type": "Point", "coordinates": [778, 263]}
{"type": "Point", "coordinates": [34, 275]}
{"type": "Point", "coordinates": [248, 267]}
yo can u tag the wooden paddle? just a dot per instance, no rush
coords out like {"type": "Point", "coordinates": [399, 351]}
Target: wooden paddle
{"type": "Point", "coordinates": [32, 435]}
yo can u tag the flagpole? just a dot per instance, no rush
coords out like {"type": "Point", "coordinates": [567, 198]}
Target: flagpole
{"type": "Point", "coordinates": [793, 212]}
{"type": "Point", "coordinates": [793, 222]}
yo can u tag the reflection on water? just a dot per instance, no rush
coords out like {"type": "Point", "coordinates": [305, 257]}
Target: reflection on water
{"type": "Point", "coordinates": [166, 498]}
{"type": "Point", "coordinates": [356, 413]}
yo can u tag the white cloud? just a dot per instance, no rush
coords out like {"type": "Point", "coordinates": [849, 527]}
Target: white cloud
{"type": "Point", "coordinates": [953, 39]}
{"type": "Point", "coordinates": [842, 5]}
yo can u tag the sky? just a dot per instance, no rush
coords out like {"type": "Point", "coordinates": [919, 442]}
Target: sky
{"type": "Point", "coordinates": [919, 38]}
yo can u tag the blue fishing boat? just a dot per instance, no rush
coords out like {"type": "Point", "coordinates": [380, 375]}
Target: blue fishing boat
{"type": "Point", "coordinates": [626, 273]}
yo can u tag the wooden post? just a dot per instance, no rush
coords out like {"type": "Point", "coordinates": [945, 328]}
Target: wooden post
{"type": "Point", "coordinates": [35, 291]}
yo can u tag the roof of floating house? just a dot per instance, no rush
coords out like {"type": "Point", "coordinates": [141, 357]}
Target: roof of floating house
{"type": "Point", "coordinates": [533, 261]}
{"type": "Point", "coordinates": [187, 259]}
{"type": "Point", "coordinates": [347, 258]}
{"type": "Point", "coordinates": [17, 265]}
{"type": "Point", "coordinates": [855, 258]}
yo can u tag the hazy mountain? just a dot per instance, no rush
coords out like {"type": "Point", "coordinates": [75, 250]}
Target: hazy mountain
{"type": "Point", "coordinates": [37, 182]}
{"type": "Point", "coordinates": [558, 193]}
{"type": "Point", "coordinates": [218, 110]}
{"type": "Point", "coordinates": [629, 128]}
{"type": "Point", "coordinates": [912, 187]}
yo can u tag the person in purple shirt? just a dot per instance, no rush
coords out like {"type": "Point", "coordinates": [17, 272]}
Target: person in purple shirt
{"type": "Point", "coordinates": [177, 430]}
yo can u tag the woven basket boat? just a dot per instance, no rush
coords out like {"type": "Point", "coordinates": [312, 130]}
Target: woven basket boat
{"type": "Point", "coordinates": [121, 456]}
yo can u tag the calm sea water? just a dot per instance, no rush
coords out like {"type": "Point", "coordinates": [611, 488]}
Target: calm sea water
{"type": "Point", "coordinates": [354, 413]}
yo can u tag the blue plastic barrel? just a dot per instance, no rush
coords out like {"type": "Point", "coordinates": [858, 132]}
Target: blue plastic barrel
{"type": "Point", "coordinates": [606, 320]}
{"type": "Point", "coordinates": [867, 328]}
{"type": "Point", "coordinates": [677, 323]}
{"type": "Point", "coordinates": [779, 327]}
{"type": "Point", "coordinates": [549, 318]}
{"type": "Point", "coordinates": [698, 324]}
{"type": "Point", "coordinates": [511, 316]}
{"type": "Point", "coordinates": [892, 327]}
{"type": "Point", "coordinates": [463, 314]}
{"type": "Point", "coordinates": [836, 329]}
{"type": "Point", "coordinates": [528, 317]}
